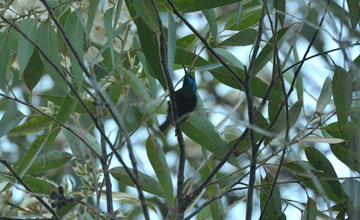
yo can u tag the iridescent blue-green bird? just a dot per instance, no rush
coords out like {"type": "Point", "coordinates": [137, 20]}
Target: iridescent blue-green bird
{"type": "Point", "coordinates": [185, 101]}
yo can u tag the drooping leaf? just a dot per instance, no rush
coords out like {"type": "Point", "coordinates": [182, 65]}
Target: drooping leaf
{"type": "Point", "coordinates": [199, 129]}
{"type": "Point", "coordinates": [325, 95]}
{"type": "Point", "coordinates": [48, 42]}
{"type": "Point", "coordinates": [31, 155]}
{"type": "Point", "coordinates": [51, 160]}
{"type": "Point", "coordinates": [242, 38]}
{"type": "Point", "coordinates": [33, 71]}
{"type": "Point", "coordinates": [148, 183]}
{"type": "Point", "coordinates": [33, 125]}
{"type": "Point", "coordinates": [4, 57]}
{"type": "Point", "coordinates": [342, 92]}
{"type": "Point", "coordinates": [10, 119]}
{"type": "Point", "coordinates": [25, 48]}
{"type": "Point", "coordinates": [158, 161]}
{"type": "Point", "coordinates": [75, 32]}
{"type": "Point", "coordinates": [211, 19]}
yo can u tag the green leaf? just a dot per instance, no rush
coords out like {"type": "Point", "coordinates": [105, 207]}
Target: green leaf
{"type": "Point", "coordinates": [216, 207]}
{"type": "Point", "coordinates": [280, 124]}
{"type": "Point", "coordinates": [33, 71]}
{"type": "Point", "coordinates": [230, 57]}
{"type": "Point", "coordinates": [148, 183]}
{"type": "Point", "coordinates": [250, 15]}
{"type": "Point", "coordinates": [146, 11]}
{"type": "Point", "coordinates": [267, 53]}
{"type": "Point", "coordinates": [353, 6]}
{"type": "Point", "coordinates": [242, 38]}
{"type": "Point", "coordinates": [273, 210]}
{"type": "Point", "coordinates": [75, 32]}
{"type": "Point", "coordinates": [198, 128]}
{"type": "Point", "coordinates": [39, 185]}
{"type": "Point", "coordinates": [48, 42]}
{"type": "Point", "coordinates": [158, 161]}
{"type": "Point", "coordinates": [211, 19]}
{"type": "Point", "coordinates": [195, 5]}
{"type": "Point", "coordinates": [325, 96]}
{"type": "Point", "coordinates": [10, 119]}
{"type": "Point", "coordinates": [33, 125]}
{"type": "Point", "coordinates": [281, 6]}
{"type": "Point", "coordinates": [25, 48]}
{"type": "Point", "coordinates": [342, 92]}
{"type": "Point", "coordinates": [66, 109]}
{"type": "Point", "coordinates": [149, 44]}
{"type": "Point", "coordinates": [347, 156]}
{"type": "Point", "coordinates": [109, 32]}
{"type": "Point", "coordinates": [331, 187]}
{"type": "Point", "coordinates": [352, 189]}
{"type": "Point", "coordinates": [4, 57]}
{"type": "Point", "coordinates": [93, 6]}
{"type": "Point", "coordinates": [31, 155]}
{"type": "Point", "coordinates": [310, 210]}
{"type": "Point", "coordinates": [49, 161]}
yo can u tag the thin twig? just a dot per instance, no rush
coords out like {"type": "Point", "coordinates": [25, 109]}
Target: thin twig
{"type": "Point", "coordinates": [254, 147]}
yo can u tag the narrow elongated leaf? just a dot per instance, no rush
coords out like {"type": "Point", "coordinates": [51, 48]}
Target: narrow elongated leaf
{"type": "Point", "coordinates": [267, 52]}
{"type": "Point", "coordinates": [25, 48]}
{"type": "Point", "coordinates": [10, 119]}
{"type": "Point", "coordinates": [242, 38]}
{"type": "Point", "coordinates": [230, 57]}
{"type": "Point", "coordinates": [250, 15]}
{"type": "Point", "coordinates": [148, 183]}
{"type": "Point", "coordinates": [66, 109]}
{"type": "Point", "coordinates": [331, 187]}
{"type": "Point", "coordinates": [109, 32]}
{"type": "Point", "coordinates": [33, 71]}
{"type": "Point", "coordinates": [158, 161]}
{"type": "Point", "coordinates": [199, 129]}
{"type": "Point", "coordinates": [39, 185]}
{"type": "Point", "coordinates": [273, 210]}
{"type": "Point", "coordinates": [149, 44]}
{"type": "Point", "coordinates": [310, 210]}
{"type": "Point", "coordinates": [31, 155]}
{"type": "Point", "coordinates": [93, 6]}
{"type": "Point", "coordinates": [195, 5]}
{"type": "Point", "coordinates": [49, 161]}
{"type": "Point", "coordinates": [75, 32]}
{"type": "Point", "coordinates": [48, 42]}
{"type": "Point", "coordinates": [325, 95]}
{"type": "Point", "coordinates": [342, 91]}
{"type": "Point", "coordinates": [146, 11]}
{"type": "Point", "coordinates": [352, 189]}
{"type": "Point", "coordinates": [4, 57]}
{"type": "Point", "coordinates": [280, 124]}
{"type": "Point", "coordinates": [33, 125]}
{"type": "Point", "coordinates": [211, 18]}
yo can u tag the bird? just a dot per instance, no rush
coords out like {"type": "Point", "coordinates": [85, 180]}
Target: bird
{"type": "Point", "coordinates": [186, 100]}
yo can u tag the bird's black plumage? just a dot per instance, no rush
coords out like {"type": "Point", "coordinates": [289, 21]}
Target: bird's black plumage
{"type": "Point", "coordinates": [185, 101]}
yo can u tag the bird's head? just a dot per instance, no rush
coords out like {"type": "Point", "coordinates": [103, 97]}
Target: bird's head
{"type": "Point", "coordinates": [189, 83]}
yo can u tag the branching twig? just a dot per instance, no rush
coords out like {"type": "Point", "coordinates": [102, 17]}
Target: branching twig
{"type": "Point", "coordinates": [18, 178]}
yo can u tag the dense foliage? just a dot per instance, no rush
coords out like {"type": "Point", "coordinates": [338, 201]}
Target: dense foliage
{"type": "Point", "coordinates": [84, 87]}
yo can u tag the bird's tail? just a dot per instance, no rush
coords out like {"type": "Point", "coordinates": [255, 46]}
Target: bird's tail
{"type": "Point", "coordinates": [164, 125]}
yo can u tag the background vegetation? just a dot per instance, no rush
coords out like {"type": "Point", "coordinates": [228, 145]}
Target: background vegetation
{"type": "Point", "coordinates": [84, 86]}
